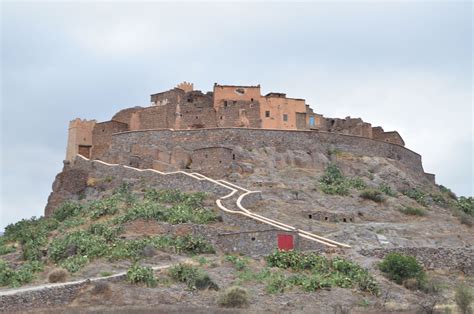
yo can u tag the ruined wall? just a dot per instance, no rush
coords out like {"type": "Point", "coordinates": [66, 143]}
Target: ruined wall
{"type": "Point", "coordinates": [195, 111]}
{"type": "Point", "coordinates": [102, 136]}
{"type": "Point", "coordinates": [172, 96]}
{"type": "Point", "coordinates": [79, 134]}
{"type": "Point", "coordinates": [313, 142]}
{"type": "Point", "coordinates": [330, 216]}
{"type": "Point", "coordinates": [349, 126]}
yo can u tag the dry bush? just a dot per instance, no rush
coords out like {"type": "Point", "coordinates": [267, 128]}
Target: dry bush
{"type": "Point", "coordinates": [100, 287]}
{"type": "Point", "coordinates": [234, 297]}
{"type": "Point", "coordinates": [57, 275]}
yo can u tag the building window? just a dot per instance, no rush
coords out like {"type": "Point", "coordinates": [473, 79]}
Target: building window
{"type": "Point", "coordinates": [267, 114]}
{"type": "Point", "coordinates": [225, 103]}
{"type": "Point", "coordinates": [285, 117]}
{"type": "Point", "coordinates": [311, 121]}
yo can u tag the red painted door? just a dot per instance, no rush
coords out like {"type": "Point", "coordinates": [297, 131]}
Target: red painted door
{"type": "Point", "coordinates": [285, 242]}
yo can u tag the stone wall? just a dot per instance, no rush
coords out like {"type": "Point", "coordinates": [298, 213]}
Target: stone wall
{"type": "Point", "coordinates": [52, 296]}
{"type": "Point", "coordinates": [349, 126]}
{"type": "Point", "coordinates": [102, 137]}
{"type": "Point", "coordinates": [69, 184]}
{"type": "Point", "coordinates": [330, 216]}
{"type": "Point", "coordinates": [460, 259]}
{"type": "Point", "coordinates": [313, 142]}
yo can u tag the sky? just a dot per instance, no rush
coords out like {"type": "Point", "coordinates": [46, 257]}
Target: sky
{"type": "Point", "coordinates": [406, 66]}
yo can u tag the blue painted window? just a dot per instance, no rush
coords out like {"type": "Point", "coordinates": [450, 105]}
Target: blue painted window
{"type": "Point", "coordinates": [311, 121]}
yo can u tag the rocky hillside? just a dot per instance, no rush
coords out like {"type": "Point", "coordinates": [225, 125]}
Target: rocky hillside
{"type": "Point", "coordinates": [154, 248]}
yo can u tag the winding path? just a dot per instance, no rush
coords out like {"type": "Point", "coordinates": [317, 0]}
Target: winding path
{"type": "Point", "coordinates": [240, 193]}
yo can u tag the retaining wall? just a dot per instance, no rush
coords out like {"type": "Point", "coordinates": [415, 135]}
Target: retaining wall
{"type": "Point", "coordinates": [460, 259]}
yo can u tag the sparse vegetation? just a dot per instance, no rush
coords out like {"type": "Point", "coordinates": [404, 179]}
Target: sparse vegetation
{"type": "Point", "coordinates": [240, 263]}
{"type": "Point", "coordinates": [399, 267]}
{"type": "Point", "coordinates": [407, 210]}
{"type": "Point", "coordinates": [466, 205]}
{"type": "Point", "coordinates": [418, 195]}
{"type": "Point", "coordinates": [464, 297]}
{"type": "Point", "coordinates": [234, 297]}
{"type": "Point", "coordinates": [387, 190]}
{"type": "Point", "coordinates": [141, 274]}
{"type": "Point", "coordinates": [334, 182]}
{"type": "Point", "coordinates": [374, 195]}
{"type": "Point", "coordinates": [194, 277]}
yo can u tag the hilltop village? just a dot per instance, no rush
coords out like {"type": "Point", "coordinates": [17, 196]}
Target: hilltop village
{"type": "Point", "coordinates": [226, 107]}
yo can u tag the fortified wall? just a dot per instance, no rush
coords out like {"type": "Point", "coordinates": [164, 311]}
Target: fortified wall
{"type": "Point", "coordinates": [218, 152]}
{"type": "Point", "coordinates": [227, 106]}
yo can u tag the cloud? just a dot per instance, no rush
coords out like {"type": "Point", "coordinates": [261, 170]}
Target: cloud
{"type": "Point", "coordinates": [403, 65]}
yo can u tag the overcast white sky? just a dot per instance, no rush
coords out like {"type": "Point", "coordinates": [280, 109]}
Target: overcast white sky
{"type": "Point", "coordinates": [406, 66]}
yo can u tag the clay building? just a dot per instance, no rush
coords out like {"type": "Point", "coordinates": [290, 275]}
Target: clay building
{"type": "Point", "coordinates": [225, 107]}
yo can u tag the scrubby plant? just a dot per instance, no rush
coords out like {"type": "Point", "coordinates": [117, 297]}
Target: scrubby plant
{"type": "Point", "coordinates": [277, 283]}
{"type": "Point", "coordinates": [357, 183]}
{"type": "Point", "coordinates": [464, 297]}
{"type": "Point", "coordinates": [67, 210]}
{"type": "Point", "coordinates": [234, 297]}
{"type": "Point", "coordinates": [466, 205]}
{"type": "Point", "coordinates": [77, 243]}
{"type": "Point", "coordinates": [109, 233]}
{"type": "Point", "coordinates": [466, 219]}
{"type": "Point", "coordinates": [194, 277]}
{"type": "Point", "coordinates": [418, 195]}
{"type": "Point", "coordinates": [103, 207]}
{"type": "Point", "coordinates": [145, 274]}
{"type": "Point", "coordinates": [57, 275]}
{"type": "Point", "coordinates": [239, 263]}
{"type": "Point", "coordinates": [448, 192]}
{"type": "Point", "coordinates": [407, 210]}
{"type": "Point", "coordinates": [74, 263]}
{"type": "Point", "coordinates": [100, 287]}
{"type": "Point", "coordinates": [333, 181]}
{"type": "Point", "coordinates": [320, 272]}
{"type": "Point", "coordinates": [17, 277]}
{"type": "Point", "coordinates": [374, 195]}
{"type": "Point", "coordinates": [385, 188]}
{"type": "Point", "coordinates": [399, 267]}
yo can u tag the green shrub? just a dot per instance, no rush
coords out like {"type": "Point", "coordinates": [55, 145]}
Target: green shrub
{"type": "Point", "coordinates": [15, 278]}
{"type": "Point", "coordinates": [193, 200]}
{"type": "Point", "coordinates": [407, 210]}
{"type": "Point", "coordinates": [399, 267]}
{"type": "Point", "coordinates": [234, 297]}
{"type": "Point", "coordinates": [77, 243]}
{"type": "Point", "coordinates": [357, 183]}
{"type": "Point", "coordinates": [104, 207]}
{"type": "Point", "coordinates": [463, 296]}
{"type": "Point", "coordinates": [137, 274]}
{"type": "Point", "coordinates": [124, 193]}
{"type": "Point", "coordinates": [6, 249]}
{"type": "Point", "coordinates": [67, 210]}
{"type": "Point", "coordinates": [74, 263]}
{"type": "Point", "coordinates": [193, 277]}
{"type": "Point", "coordinates": [240, 263]}
{"type": "Point", "coordinates": [387, 190]}
{"type": "Point", "coordinates": [276, 283]}
{"type": "Point", "coordinates": [373, 195]}
{"type": "Point", "coordinates": [109, 233]}
{"type": "Point", "coordinates": [417, 195]}
{"type": "Point", "coordinates": [466, 205]}
{"type": "Point", "coordinates": [323, 272]}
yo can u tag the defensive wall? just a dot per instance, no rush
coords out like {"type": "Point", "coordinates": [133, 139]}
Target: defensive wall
{"type": "Point", "coordinates": [217, 151]}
